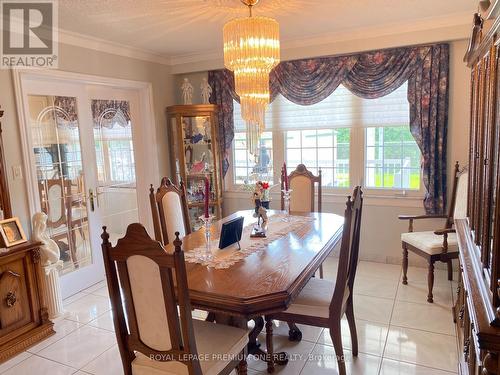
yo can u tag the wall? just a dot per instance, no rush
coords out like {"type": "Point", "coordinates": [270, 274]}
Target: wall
{"type": "Point", "coordinates": [82, 60]}
{"type": "Point", "coordinates": [381, 227]}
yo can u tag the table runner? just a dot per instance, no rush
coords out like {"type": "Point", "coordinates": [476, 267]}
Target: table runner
{"type": "Point", "coordinates": [229, 256]}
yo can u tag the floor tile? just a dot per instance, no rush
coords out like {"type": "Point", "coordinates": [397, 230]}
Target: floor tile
{"type": "Point", "coordinates": [330, 266]}
{"type": "Point", "coordinates": [324, 361]}
{"type": "Point", "coordinates": [101, 292]}
{"type": "Point", "coordinates": [40, 366]}
{"type": "Point", "coordinates": [108, 363]}
{"type": "Point", "coordinates": [425, 316]}
{"type": "Point", "coordinates": [390, 367]}
{"type": "Point", "coordinates": [62, 327]}
{"type": "Point", "coordinates": [371, 337]}
{"type": "Point", "coordinates": [422, 348]}
{"type": "Point", "coordinates": [375, 287]}
{"type": "Point", "coordinates": [417, 292]}
{"type": "Point", "coordinates": [95, 287]}
{"type": "Point", "coordinates": [104, 321]}
{"type": "Point", "coordinates": [14, 361]}
{"type": "Point", "coordinates": [88, 308]}
{"type": "Point", "coordinates": [298, 353]}
{"type": "Point", "coordinates": [80, 347]}
{"type": "Point", "coordinates": [419, 275]}
{"type": "Point", "coordinates": [73, 298]}
{"type": "Point", "coordinates": [373, 309]}
{"type": "Point", "coordinates": [382, 270]}
{"type": "Point", "coordinates": [309, 333]}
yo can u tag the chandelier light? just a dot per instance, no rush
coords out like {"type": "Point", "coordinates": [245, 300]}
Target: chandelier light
{"type": "Point", "coordinates": [251, 51]}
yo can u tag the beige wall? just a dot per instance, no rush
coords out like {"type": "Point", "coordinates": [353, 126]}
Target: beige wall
{"type": "Point", "coordinates": [381, 228]}
{"type": "Point", "coordinates": [81, 60]}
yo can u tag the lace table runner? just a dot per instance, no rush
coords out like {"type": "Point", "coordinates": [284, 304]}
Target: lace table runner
{"type": "Point", "coordinates": [225, 258]}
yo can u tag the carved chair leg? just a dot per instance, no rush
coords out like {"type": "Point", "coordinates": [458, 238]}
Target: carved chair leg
{"type": "Point", "coordinates": [405, 264]}
{"type": "Point", "coordinates": [269, 344]}
{"type": "Point", "coordinates": [352, 326]}
{"type": "Point", "coordinates": [336, 335]}
{"type": "Point", "coordinates": [450, 270]}
{"type": "Point", "coordinates": [242, 367]}
{"type": "Point", "coordinates": [430, 281]}
{"type": "Point", "coordinates": [321, 271]}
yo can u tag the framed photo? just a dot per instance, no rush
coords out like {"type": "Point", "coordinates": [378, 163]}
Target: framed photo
{"type": "Point", "coordinates": [11, 232]}
{"type": "Point", "coordinates": [231, 232]}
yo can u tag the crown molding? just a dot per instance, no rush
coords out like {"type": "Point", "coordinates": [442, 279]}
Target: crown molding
{"type": "Point", "coordinates": [440, 25]}
{"type": "Point", "coordinates": [102, 45]}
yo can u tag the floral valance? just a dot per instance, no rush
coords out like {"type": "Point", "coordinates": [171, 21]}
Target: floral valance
{"type": "Point", "coordinates": [368, 75]}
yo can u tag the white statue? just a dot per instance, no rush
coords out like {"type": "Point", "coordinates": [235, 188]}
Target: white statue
{"type": "Point", "coordinates": [50, 253]}
{"type": "Point", "coordinates": [206, 91]}
{"type": "Point", "coordinates": [187, 92]}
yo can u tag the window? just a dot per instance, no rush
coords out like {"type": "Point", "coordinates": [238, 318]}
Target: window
{"type": "Point", "coordinates": [352, 140]}
{"type": "Point", "coordinates": [248, 167]}
{"type": "Point", "coordinates": [325, 149]}
{"type": "Point", "coordinates": [392, 158]}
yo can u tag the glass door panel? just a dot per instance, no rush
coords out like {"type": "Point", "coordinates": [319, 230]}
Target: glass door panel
{"type": "Point", "coordinates": [116, 189]}
{"type": "Point", "coordinates": [55, 135]}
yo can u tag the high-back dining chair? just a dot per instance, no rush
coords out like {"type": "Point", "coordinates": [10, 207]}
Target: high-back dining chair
{"type": "Point", "coordinates": [303, 185]}
{"type": "Point", "coordinates": [170, 211]}
{"type": "Point", "coordinates": [323, 303]}
{"type": "Point", "coordinates": [441, 244]}
{"type": "Point", "coordinates": [155, 330]}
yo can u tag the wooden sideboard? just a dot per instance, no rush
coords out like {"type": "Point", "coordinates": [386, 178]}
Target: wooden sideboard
{"type": "Point", "coordinates": [477, 307]}
{"type": "Point", "coordinates": [23, 315]}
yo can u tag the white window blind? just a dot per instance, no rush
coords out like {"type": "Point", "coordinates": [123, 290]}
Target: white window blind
{"type": "Point", "coordinates": [340, 110]}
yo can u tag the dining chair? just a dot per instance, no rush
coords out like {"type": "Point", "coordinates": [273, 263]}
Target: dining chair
{"type": "Point", "coordinates": [440, 244]}
{"type": "Point", "coordinates": [302, 183]}
{"type": "Point", "coordinates": [154, 328]}
{"type": "Point", "coordinates": [170, 211]}
{"type": "Point", "coordinates": [323, 303]}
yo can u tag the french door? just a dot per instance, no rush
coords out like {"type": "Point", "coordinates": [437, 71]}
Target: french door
{"type": "Point", "coordinates": [86, 155]}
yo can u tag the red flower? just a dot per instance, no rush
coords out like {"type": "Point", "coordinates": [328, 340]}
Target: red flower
{"type": "Point", "coordinates": [265, 185]}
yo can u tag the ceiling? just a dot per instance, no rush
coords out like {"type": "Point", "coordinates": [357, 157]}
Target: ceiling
{"type": "Point", "coordinates": [176, 28]}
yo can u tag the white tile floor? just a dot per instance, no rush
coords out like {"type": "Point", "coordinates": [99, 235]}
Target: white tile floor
{"type": "Point", "coordinates": [398, 332]}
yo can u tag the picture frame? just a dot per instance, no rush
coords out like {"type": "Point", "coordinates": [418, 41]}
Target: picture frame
{"type": "Point", "coordinates": [11, 232]}
{"type": "Point", "coordinates": [231, 233]}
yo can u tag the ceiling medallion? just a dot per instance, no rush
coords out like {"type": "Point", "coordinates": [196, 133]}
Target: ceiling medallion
{"type": "Point", "coordinates": [251, 51]}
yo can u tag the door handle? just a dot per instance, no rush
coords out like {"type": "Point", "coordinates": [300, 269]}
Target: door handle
{"type": "Point", "coordinates": [91, 200]}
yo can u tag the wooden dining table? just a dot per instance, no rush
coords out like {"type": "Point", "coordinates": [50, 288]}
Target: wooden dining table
{"type": "Point", "coordinates": [265, 282]}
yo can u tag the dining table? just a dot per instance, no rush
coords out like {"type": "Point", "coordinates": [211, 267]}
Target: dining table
{"type": "Point", "coordinates": [265, 281]}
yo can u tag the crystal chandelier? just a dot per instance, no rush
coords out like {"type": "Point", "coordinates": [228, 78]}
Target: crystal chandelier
{"type": "Point", "coordinates": [251, 51]}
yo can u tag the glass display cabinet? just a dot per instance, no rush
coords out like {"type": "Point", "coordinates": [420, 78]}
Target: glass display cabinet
{"type": "Point", "coordinates": [194, 156]}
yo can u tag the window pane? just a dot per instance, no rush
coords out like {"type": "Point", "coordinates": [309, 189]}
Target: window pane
{"type": "Point", "coordinates": [248, 167]}
{"type": "Point", "coordinates": [331, 154]}
{"type": "Point", "coordinates": [392, 158]}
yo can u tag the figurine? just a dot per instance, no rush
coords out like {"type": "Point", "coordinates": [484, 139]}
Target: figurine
{"type": "Point", "coordinates": [206, 91]}
{"type": "Point", "coordinates": [199, 165]}
{"type": "Point", "coordinates": [50, 252]}
{"type": "Point", "coordinates": [187, 92]}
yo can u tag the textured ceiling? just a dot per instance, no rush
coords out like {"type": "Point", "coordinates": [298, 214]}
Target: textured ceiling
{"type": "Point", "coordinates": [183, 27]}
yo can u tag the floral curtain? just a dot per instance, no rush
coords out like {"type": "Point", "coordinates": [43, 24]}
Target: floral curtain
{"type": "Point", "coordinates": [368, 75]}
{"type": "Point", "coordinates": [108, 113]}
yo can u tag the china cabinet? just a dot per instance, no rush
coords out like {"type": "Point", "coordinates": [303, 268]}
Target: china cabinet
{"type": "Point", "coordinates": [194, 156]}
{"type": "Point", "coordinates": [477, 307]}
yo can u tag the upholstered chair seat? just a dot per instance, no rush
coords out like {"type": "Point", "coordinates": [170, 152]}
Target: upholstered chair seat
{"type": "Point", "coordinates": [214, 343]}
{"type": "Point", "coordinates": [430, 242]}
{"type": "Point", "coordinates": [314, 299]}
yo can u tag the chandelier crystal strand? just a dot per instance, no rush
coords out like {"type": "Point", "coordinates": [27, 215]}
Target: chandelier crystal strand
{"type": "Point", "coordinates": [251, 51]}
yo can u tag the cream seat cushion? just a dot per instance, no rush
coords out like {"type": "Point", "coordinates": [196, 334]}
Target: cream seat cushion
{"type": "Point", "coordinates": [216, 343]}
{"type": "Point", "coordinates": [314, 299]}
{"type": "Point", "coordinates": [429, 242]}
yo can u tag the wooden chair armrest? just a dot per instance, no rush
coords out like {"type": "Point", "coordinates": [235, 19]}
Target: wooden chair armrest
{"type": "Point", "coordinates": [418, 217]}
{"type": "Point", "coordinates": [441, 232]}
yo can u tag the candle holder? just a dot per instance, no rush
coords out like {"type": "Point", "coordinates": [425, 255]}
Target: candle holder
{"type": "Point", "coordinates": [207, 256]}
{"type": "Point", "coordinates": [286, 199]}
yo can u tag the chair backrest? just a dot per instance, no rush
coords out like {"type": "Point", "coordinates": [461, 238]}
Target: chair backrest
{"type": "Point", "coordinates": [170, 211]}
{"type": "Point", "coordinates": [302, 183]}
{"type": "Point", "coordinates": [349, 251]}
{"type": "Point", "coordinates": [141, 268]}
{"type": "Point", "coordinates": [53, 200]}
{"type": "Point", "coordinates": [458, 203]}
